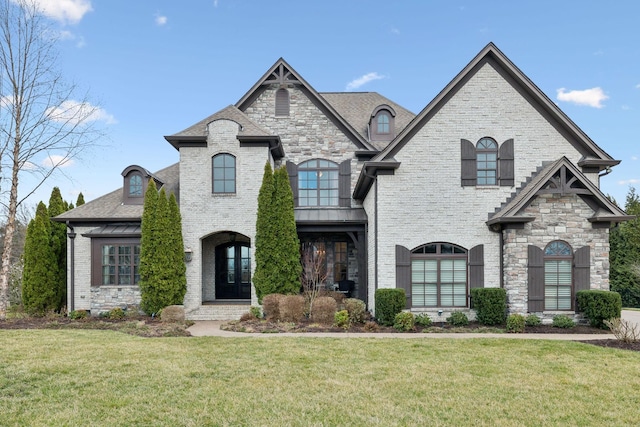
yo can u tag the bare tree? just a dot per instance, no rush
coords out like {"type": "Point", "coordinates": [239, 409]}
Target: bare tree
{"type": "Point", "coordinates": [314, 271]}
{"type": "Point", "coordinates": [42, 125]}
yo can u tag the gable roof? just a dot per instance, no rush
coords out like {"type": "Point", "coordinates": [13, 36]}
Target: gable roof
{"type": "Point", "coordinates": [593, 155]}
{"type": "Point", "coordinates": [357, 107]}
{"type": "Point", "coordinates": [281, 73]}
{"type": "Point", "coordinates": [109, 208]}
{"type": "Point", "coordinates": [559, 177]}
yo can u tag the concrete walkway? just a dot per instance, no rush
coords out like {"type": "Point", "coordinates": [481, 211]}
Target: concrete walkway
{"type": "Point", "coordinates": [211, 328]}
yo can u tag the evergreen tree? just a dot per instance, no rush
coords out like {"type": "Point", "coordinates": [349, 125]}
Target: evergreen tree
{"type": "Point", "coordinates": [148, 243]}
{"type": "Point", "coordinates": [40, 266]}
{"type": "Point", "coordinates": [58, 243]}
{"type": "Point", "coordinates": [265, 249]}
{"type": "Point", "coordinates": [624, 254]}
{"type": "Point", "coordinates": [80, 200]}
{"type": "Point", "coordinates": [287, 242]}
{"type": "Point", "coordinates": [162, 269]}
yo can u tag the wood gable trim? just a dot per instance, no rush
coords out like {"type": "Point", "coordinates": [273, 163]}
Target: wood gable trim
{"type": "Point", "coordinates": [492, 55]}
{"type": "Point", "coordinates": [281, 73]}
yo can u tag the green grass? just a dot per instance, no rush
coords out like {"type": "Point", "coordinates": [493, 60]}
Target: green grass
{"type": "Point", "coordinates": [86, 378]}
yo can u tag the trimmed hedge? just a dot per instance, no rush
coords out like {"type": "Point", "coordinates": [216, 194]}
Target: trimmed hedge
{"type": "Point", "coordinates": [599, 306]}
{"type": "Point", "coordinates": [490, 305]}
{"type": "Point", "coordinates": [389, 302]}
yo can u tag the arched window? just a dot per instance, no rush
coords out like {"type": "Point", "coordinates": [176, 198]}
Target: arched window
{"type": "Point", "coordinates": [224, 174]}
{"type": "Point", "coordinates": [439, 276]}
{"type": "Point", "coordinates": [381, 125]}
{"type": "Point", "coordinates": [487, 162]}
{"type": "Point", "coordinates": [318, 183]}
{"type": "Point", "coordinates": [282, 102]}
{"type": "Point", "coordinates": [383, 122]}
{"type": "Point", "coordinates": [558, 280]}
{"type": "Point", "coordinates": [135, 185]}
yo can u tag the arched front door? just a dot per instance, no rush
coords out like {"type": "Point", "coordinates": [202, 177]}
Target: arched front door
{"type": "Point", "coordinates": [233, 271]}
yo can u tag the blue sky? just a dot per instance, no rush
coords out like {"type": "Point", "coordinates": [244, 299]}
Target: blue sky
{"type": "Point", "coordinates": [157, 67]}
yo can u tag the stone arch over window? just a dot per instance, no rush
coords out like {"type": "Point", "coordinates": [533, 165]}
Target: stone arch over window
{"type": "Point", "coordinates": [382, 123]}
{"type": "Point", "coordinates": [282, 102]}
{"type": "Point", "coordinates": [223, 175]}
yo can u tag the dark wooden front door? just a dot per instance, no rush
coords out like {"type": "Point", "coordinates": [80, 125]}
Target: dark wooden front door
{"type": "Point", "coordinates": [233, 271]}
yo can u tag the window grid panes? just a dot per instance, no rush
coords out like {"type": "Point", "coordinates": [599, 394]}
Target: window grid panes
{"type": "Point", "coordinates": [224, 173]}
{"type": "Point", "coordinates": [558, 280]}
{"type": "Point", "coordinates": [120, 264]}
{"type": "Point", "coordinates": [487, 162]}
{"type": "Point", "coordinates": [135, 185]}
{"type": "Point", "coordinates": [318, 183]}
{"type": "Point", "coordinates": [339, 261]}
{"type": "Point", "coordinates": [439, 276]}
{"type": "Point", "coordinates": [383, 123]}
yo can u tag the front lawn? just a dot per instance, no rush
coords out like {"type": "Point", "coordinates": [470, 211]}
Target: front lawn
{"type": "Point", "coordinates": [86, 377]}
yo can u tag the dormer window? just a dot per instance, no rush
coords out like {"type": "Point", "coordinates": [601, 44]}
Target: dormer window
{"type": "Point", "coordinates": [135, 184]}
{"type": "Point", "coordinates": [382, 124]}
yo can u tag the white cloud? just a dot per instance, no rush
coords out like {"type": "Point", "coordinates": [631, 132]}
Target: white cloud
{"type": "Point", "coordinates": [634, 157]}
{"type": "Point", "coordinates": [55, 160]}
{"type": "Point", "coordinates": [68, 35]}
{"type": "Point", "coordinates": [591, 97]}
{"type": "Point", "coordinates": [215, 3]}
{"type": "Point", "coordinates": [75, 112]}
{"type": "Point", "coordinates": [361, 81]}
{"type": "Point", "coordinates": [638, 86]}
{"type": "Point", "coordinates": [161, 20]}
{"type": "Point", "coordinates": [394, 30]}
{"type": "Point", "coordinates": [65, 11]}
{"type": "Point", "coordinates": [628, 181]}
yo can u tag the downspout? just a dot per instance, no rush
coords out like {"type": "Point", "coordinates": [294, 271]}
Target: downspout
{"type": "Point", "coordinates": [501, 258]}
{"type": "Point", "coordinates": [72, 238]}
{"type": "Point", "coordinates": [375, 226]}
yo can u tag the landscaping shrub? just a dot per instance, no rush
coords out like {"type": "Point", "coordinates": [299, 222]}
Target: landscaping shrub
{"type": "Point", "coordinates": [341, 319]}
{"type": "Point", "coordinates": [255, 312]}
{"type": "Point", "coordinates": [599, 306]}
{"type": "Point", "coordinates": [356, 309]}
{"type": "Point", "coordinates": [324, 310]}
{"type": "Point", "coordinates": [172, 313]}
{"type": "Point", "coordinates": [246, 317]}
{"type": "Point", "coordinates": [371, 326]}
{"type": "Point", "coordinates": [490, 305]}
{"type": "Point", "coordinates": [458, 318]}
{"type": "Point", "coordinates": [532, 320]}
{"type": "Point", "coordinates": [404, 321]}
{"type": "Point", "coordinates": [389, 302]}
{"type": "Point", "coordinates": [515, 323]}
{"type": "Point", "coordinates": [292, 308]}
{"type": "Point", "coordinates": [78, 314]}
{"type": "Point", "coordinates": [563, 321]}
{"type": "Point", "coordinates": [624, 330]}
{"type": "Point", "coordinates": [423, 320]}
{"type": "Point", "coordinates": [116, 313]}
{"type": "Point", "coordinates": [271, 307]}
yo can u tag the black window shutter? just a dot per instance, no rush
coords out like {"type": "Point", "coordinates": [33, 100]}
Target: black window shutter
{"type": "Point", "coordinates": [476, 267]}
{"type": "Point", "coordinates": [403, 271]}
{"type": "Point", "coordinates": [582, 268]}
{"type": "Point", "coordinates": [282, 102]}
{"type": "Point", "coordinates": [506, 166]}
{"type": "Point", "coordinates": [344, 184]}
{"type": "Point", "coordinates": [292, 170]}
{"type": "Point", "coordinates": [535, 279]}
{"type": "Point", "coordinates": [469, 172]}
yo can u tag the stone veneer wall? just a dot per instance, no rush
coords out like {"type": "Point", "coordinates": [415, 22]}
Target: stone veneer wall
{"type": "Point", "coordinates": [557, 218]}
{"type": "Point", "coordinates": [105, 298]}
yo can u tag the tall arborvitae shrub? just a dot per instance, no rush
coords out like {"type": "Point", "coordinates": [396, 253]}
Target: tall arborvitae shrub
{"type": "Point", "coordinates": [40, 266]}
{"type": "Point", "coordinates": [288, 244]}
{"type": "Point", "coordinates": [265, 252]}
{"type": "Point", "coordinates": [162, 268]}
{"type": "Point", "coordinates": [148, 247]}
{"type": "Point", "coordinates": [80, 200]}
{"type": "Point", "coordinates": [176, 253]}
{"type": "Point", "coordinates": [58, 243]}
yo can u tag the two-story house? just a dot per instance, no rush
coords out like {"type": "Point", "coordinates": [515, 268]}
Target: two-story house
{"type": "Point", "coordinates": [490, 185]}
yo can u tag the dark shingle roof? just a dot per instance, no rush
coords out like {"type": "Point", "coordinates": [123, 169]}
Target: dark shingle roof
{"type": "Point", "coordinates": [247, 126]}
{"type": "Point", "coordinates": [110, 207]}
{"type": "Point", "coordinates": [356, 109]}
